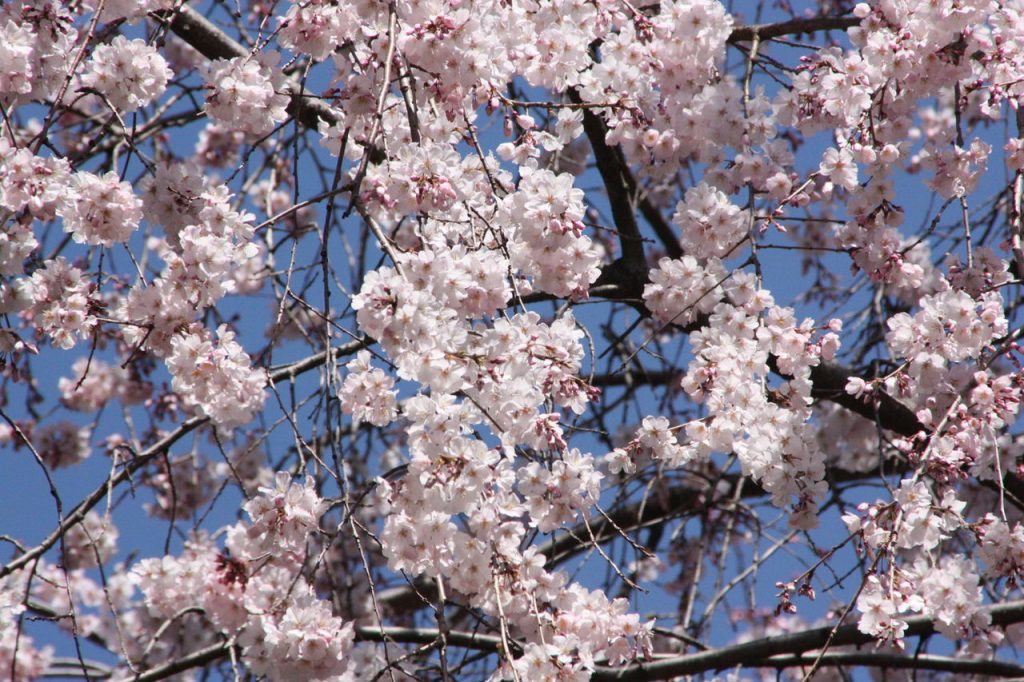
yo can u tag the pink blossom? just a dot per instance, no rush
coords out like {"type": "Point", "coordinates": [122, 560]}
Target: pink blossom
{"type": "Point", "coordinates": [100, 209]}
{"type": "Point", "coordinates": [128, 73]}
{"type": "Point", "coordinates": [245, 95]}
{"type": "Point", "coordinates": [216, 378]}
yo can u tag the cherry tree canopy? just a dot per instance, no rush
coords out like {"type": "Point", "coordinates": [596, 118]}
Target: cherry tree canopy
{"type": "Point", "coordinates": [510, 339]}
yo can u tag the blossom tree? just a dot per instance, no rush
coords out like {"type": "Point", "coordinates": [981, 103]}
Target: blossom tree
{"type": "Point", "coordinates": [499, 340]}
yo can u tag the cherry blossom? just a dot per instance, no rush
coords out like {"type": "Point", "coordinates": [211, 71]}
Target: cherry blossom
{"type": "Point", "coordinates": [100, 209]}
{"type": "Point", "coordinates": [61, 302]}
{"type": "Point", "coordinates": [216, 378]}
{"type": "Point", "coordinates": [128, 73]}
{"type": "Point", "coordinates": [557, 340]}
{"type": "Point", "coordinates": [243, 97]}
{"type": "Point", "coordinates": [366, 392]}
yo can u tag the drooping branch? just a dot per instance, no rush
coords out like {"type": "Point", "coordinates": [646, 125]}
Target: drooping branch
{"type": "Point", "coordinates": [76, 515]}
{"type": "Point", "coordinates": [139, 460]}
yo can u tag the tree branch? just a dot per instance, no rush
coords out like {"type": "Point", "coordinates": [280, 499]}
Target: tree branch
{"type": "Point", "coordinates": [742, 34]}
{"type": "Point", "coordinates": [756, 652]}
{"type": "Point", "coordinates": [891, 661]}
{"type": "Point", "coordinates": [208, 655]}
{"type": "Point", "coordinates": [621, 192]}
{"type": "Point", "coordinates": [211, 654]}
{"type": "Point", "coordinates": [780, 651]}
{"type": "Point", "coordinates": [829, 383]}
{"type": "Point", "coordinates": [76, 515]}
{"type": "Point", "coordinates": [293, 369]}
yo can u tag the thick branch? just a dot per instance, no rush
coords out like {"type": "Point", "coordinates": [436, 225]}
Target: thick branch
{"type": "Point", "coordinates": [294, 369]}
{"type": "Point", "coordinates": [756, 652]}
{"type": "Point", "coordinates": [890, 661]}
{"type": "Point", "coordinates": [777, 652]}
{"type": "Point", "coordinates": [212, 654]}
{"type": "Point", "coordinates": [467, 640]}
{"type": "Point", "coordinates": [829, 383]}
{"type": "Point", "coordinates": [742, 34]}
{"type": "Point", "coordinates": [677, 501]}
{"type": "Point", "coordinates": [621, 196]}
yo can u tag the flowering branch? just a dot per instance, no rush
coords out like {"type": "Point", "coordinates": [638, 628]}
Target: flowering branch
{"type": "Point", "coordinates": [213, 43]}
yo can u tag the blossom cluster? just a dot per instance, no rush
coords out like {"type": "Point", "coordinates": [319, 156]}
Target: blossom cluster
{"type": "Point", "coordinates": [258, 593]}
{"type": "Point", "coordinates": [101, 210]}
{"type": "Point", "coordinates": [205, 260]}
{"type": "Point", "coordinates": [1002, 548]}
{"type": "Point", "coordinates": [217, 378]}
{"type": "Point", "coordinates": [96, 383]}
{"type": "Point", "coordinates": [710, 223]}
{"type": "Point", "coordinates": [15, 58]}
{"type": "Point", "coordinates": [915, 520]}
{"type": "Point", "coordinates": [31, 182]}
{"type": "Point", "coordinates": [545, 217]}
{"type": "Point", "coordinates": [208, 254]}
{"type": "Point", "coordinates": [654, 441]}
{"type": "Point", "coordinates": [511, 367]}
{"type": "Point", "coordinates": [557, 495]}
{"type": "Point", "coordinates": [91, 542]}
{"type": "Point", "coordinates": [245, 94]}
{"type": "Point", "coordinates": [18, 654]}
{"type": "Point", "coordinates": [949, 593]}
{"type": "Point", "coordinates": [96, 209]}
{"type": "Point", "coordinates": [128, 73]}
{"type": "Point", "coordinates": [682, 289]}
{"type": "Point", "coordinates": [62, 302]}
{"type": "Point", "coordinates": [950, 324]}
{"type": "Point", "coordinates": [771, 437]}
{"type": "Point", "coordinates": [366, 392]}
{"type": "Point", "coordinates": [34, 62]}
{"type": "Point", "coordinates": [172, 197]}
{"type": "Point", "coordinates": [317, 28]}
